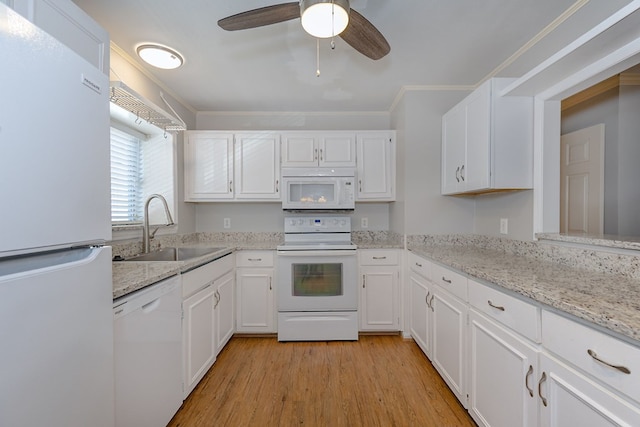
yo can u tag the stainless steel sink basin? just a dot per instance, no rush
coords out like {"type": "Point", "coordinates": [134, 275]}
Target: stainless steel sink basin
{"type": "Point", "coordinates": [174, 254]}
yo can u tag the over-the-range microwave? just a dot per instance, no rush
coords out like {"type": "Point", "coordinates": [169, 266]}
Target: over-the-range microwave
{"type": "Point", "coordinates": [318, 189]}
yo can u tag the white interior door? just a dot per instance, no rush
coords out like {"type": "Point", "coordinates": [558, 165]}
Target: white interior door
{"type": "Point", "coordinates": [582, 181]}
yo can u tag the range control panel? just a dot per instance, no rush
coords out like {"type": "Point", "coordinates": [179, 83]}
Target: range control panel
{"type": "Point", "coordinates": [320, 224]}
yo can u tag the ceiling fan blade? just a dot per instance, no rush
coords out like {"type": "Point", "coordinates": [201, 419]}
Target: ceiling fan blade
{"type": "Point", "coordinates": [260, 17]}
{"type": "Point", "coordinates": [364, 37]}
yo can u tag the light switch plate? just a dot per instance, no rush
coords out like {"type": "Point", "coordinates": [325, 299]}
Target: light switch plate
{"type": "Point", "coordinates": [504, 225]}
{"type": "Point", "coordinates": [227, 223]}
{"type": "Point", "coordinates": [364, 223]}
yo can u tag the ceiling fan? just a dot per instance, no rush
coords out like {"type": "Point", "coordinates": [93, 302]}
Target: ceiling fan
{"type": "Point", "coordinates": [340, 19]}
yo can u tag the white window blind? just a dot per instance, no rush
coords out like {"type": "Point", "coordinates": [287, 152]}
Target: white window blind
{"type": "Point", "coordinates": [126, 178]}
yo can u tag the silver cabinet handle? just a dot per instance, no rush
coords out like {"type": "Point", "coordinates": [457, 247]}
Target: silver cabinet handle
{"type": "Point", "coordinates": [217, 295]}
{"type": "Point", "coordinates": [364, 281]}
{"type": "Point", "coordinates": [418, 264]}
{"type": "Point", "coordinates": [444, 279]}
{"type": "Point", "coordinates": [526, 380]}
{"type": "Point", "coordinates": [431, 302]}
{"type": "Point", "coordinates": [462, 173]}
{"type": "Point", "coordinates": [230, 186]}
{"type": "Point", "coordinates": [379, 257]}
{"type": "Point", "coordinates": [321, 155]}
{"type": "Point", "coordinates": [458, 174]}
{"type": "Point", "coordinates": [277, 185]}
{"type": "Point", "coordinates": [254, 259]}
{"type": "Point", "coordinates": [315, 154]}
{"type": "Point", "coordinates": [620, 368]}
{"type": "Point", "coordinates": [497, 307]}
{"type": "Point", "coordinates": [270, 288]}
{"type": "Point", "coordinates": [426, 299]}
{"type": "Point", "coordinates": [360, 183]}
{"type": "Point", "coordinates": [543, 378]}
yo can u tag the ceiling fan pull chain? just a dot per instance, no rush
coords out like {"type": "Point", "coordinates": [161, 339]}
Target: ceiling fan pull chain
{"type": "Point", "coordinates": [317, 57]}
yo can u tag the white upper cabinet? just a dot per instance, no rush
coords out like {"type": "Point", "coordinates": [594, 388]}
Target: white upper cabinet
{"type": "Point", "coordinates": [208, 166]}
{"type": "Point", "coordinates": [487, 142]}
{"type": "Point", "coordinates": [222, 166]}
{"type": "Point", "coordinates": [257, 166]}
{"type": "Point", "coordinates": [70, 25]}
{"type": "Point", "coordinates": [319, 149]}
{"type": "Point", "coordinates": [376, 166]}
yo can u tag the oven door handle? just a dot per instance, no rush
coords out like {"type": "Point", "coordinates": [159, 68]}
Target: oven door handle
{"type": "Point", "coordinates": [319, 253]}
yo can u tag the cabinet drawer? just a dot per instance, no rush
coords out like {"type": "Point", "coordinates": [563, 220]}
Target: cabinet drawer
{"type": "Point", "coordinates": [195, 279]}
{"type": "Point", "coordinates": [514, 313]}
{"type": "Point", "coordinates": [254, 259]}
{"type": "Point", "coordinates": [378, 257]}
{"type": "Point", "coordinates": [453, 282]}
{"type": "Point", "coordinates": [574, 341]}
{"type": "Point", "coordinates": [420, 265]}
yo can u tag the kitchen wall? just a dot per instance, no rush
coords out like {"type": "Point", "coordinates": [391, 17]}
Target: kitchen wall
{"type": "Point", "coordinates": [269, 216]}
{"type": "Point", "coordinates": [125, 70]}
{"type": "Point", "coordinates": [418, 119]}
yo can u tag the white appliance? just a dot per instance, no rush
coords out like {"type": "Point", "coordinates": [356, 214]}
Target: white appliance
{"type": "Point", "coordinates": [317, 280]}
{"type": "Point", "coordinates": [56, 320]}
{"type": "Point", "coordinates": [318, 189]}
{"type": "Point", "coordinates": [148, 355]}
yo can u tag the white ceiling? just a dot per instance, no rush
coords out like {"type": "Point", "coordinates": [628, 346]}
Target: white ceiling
{"type": "Point", "coordinates": [433, 43]}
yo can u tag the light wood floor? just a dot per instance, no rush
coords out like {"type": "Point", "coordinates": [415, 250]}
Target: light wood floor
{"type": "Point", "coordinates": [376, 381]}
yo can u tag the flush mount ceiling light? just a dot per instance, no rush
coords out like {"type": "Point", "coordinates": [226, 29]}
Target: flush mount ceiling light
{"type": "Point", "coordinates": [324, 18]}
{"type": "Point", "coordinates": [160, 56]}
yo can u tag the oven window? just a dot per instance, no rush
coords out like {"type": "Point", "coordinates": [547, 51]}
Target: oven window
{"type": "Point", "coordinates": [311, 193]}
{"type": "Point", "coordinates": [317, 280]}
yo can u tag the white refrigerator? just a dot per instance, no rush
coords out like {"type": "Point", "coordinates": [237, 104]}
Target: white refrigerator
{"type": "Point", "coordinates": [56, 321]}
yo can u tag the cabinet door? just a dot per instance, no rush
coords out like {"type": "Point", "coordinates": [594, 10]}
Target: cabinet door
{"type": "Point", "coordinates": [376, 166]}
{"type": "Point", "coordinates": [256, 307]}
{"type": "Point", "coordinates": [454, 135]}
{"type": "Point", "coordinates": [257, 166]}
{"type": "Point", "coordinates": [198, 336]}
{"type": "Point", "coordinates": [567, 398]}
{"type": "Point", "coordinates": [224, 310]}
{"type": "Point", "coordinates": [299, 150]}
{"type": "Point", "coordinates": [475, 172]}
{"type": "Point", "coordinates": [502, 376]}
{"type": "Point", "coordinates": [449, 335]}
{"type": "Point", "coordinates": [421, 312]}
{"type": "Point", "coordinates": [208, 166]}
{"type": "Point", "coordinates": [337, 150]}
{"type": "Point", "coordinates": [379, 299]}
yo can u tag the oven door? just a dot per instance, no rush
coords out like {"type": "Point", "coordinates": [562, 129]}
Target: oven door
{"type": "Point", "coordinates": [322, 280]}
{"type": "Point", "coordinates": [318, 193]}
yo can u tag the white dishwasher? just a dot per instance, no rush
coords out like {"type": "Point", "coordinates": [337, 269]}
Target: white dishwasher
{"type": "Point", "coordinates": [148, 355]}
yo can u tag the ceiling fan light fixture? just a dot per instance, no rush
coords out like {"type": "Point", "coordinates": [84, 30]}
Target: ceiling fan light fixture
{"type": "Point", "coordinates": [160, 56]}
{"type": "Point", "coordinates": [324, 18]}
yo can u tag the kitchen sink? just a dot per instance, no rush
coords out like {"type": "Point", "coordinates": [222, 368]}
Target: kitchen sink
{"type": "Point", "coordinates": [175, 254]}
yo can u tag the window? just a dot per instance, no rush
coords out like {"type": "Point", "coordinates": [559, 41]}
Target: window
{"type": "Point", "coordinates": [142, 163]}
{"type": "Point", "coordinates": [126, 178]}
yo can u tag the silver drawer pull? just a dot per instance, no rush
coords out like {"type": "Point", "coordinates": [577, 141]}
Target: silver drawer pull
{"type": "Point", "coordinates": [622, 369]}
{"type": "Point", "coordinates": [255, 259]}
{"type": "Point", "coordinates": [444, 279]}
{"type": "Point", "coordinates": [379, 257]}
{"type": "Point", "coordinates": [543, 378]}
{"type": "Point", "coordinates": [526, 380]}
{"type": "Point", "coordinates": [418, 264]}
{"type": "Point", "coordinates": [497, 307]}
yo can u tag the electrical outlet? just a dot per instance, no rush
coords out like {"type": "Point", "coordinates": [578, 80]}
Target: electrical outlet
{"type": "Point", "coordinates": [227, 223]}
{"type": "Point", "coordinates": [504, 225]}
{"type": "Point", "coordinates": [364, 223]}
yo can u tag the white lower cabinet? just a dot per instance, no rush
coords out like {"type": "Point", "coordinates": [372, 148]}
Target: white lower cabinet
{"type": "Point", "coordinates": [569, 398]}
{"type": "Point", "coordinates": [379, 293]}
{"type": "Point", "coordinates": [449, 334]}
{"type": "Point", "coordinates": [256, 311]}
{"type": "Point", "coordinates": [224, 309]}
{"type": "Point", "coordinates": [205, 323]}
{"type": "Point", "coordinates": [502, 375]}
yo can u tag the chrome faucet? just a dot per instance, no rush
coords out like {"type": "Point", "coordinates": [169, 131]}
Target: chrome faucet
{"type": "Point", "coordinates": [146, 238]}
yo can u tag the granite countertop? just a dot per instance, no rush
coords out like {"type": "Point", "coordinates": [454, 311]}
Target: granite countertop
{"type": "Point", "coordinates": [130, 276]}
{"type": "Point", "coordinates": [610, 301]}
